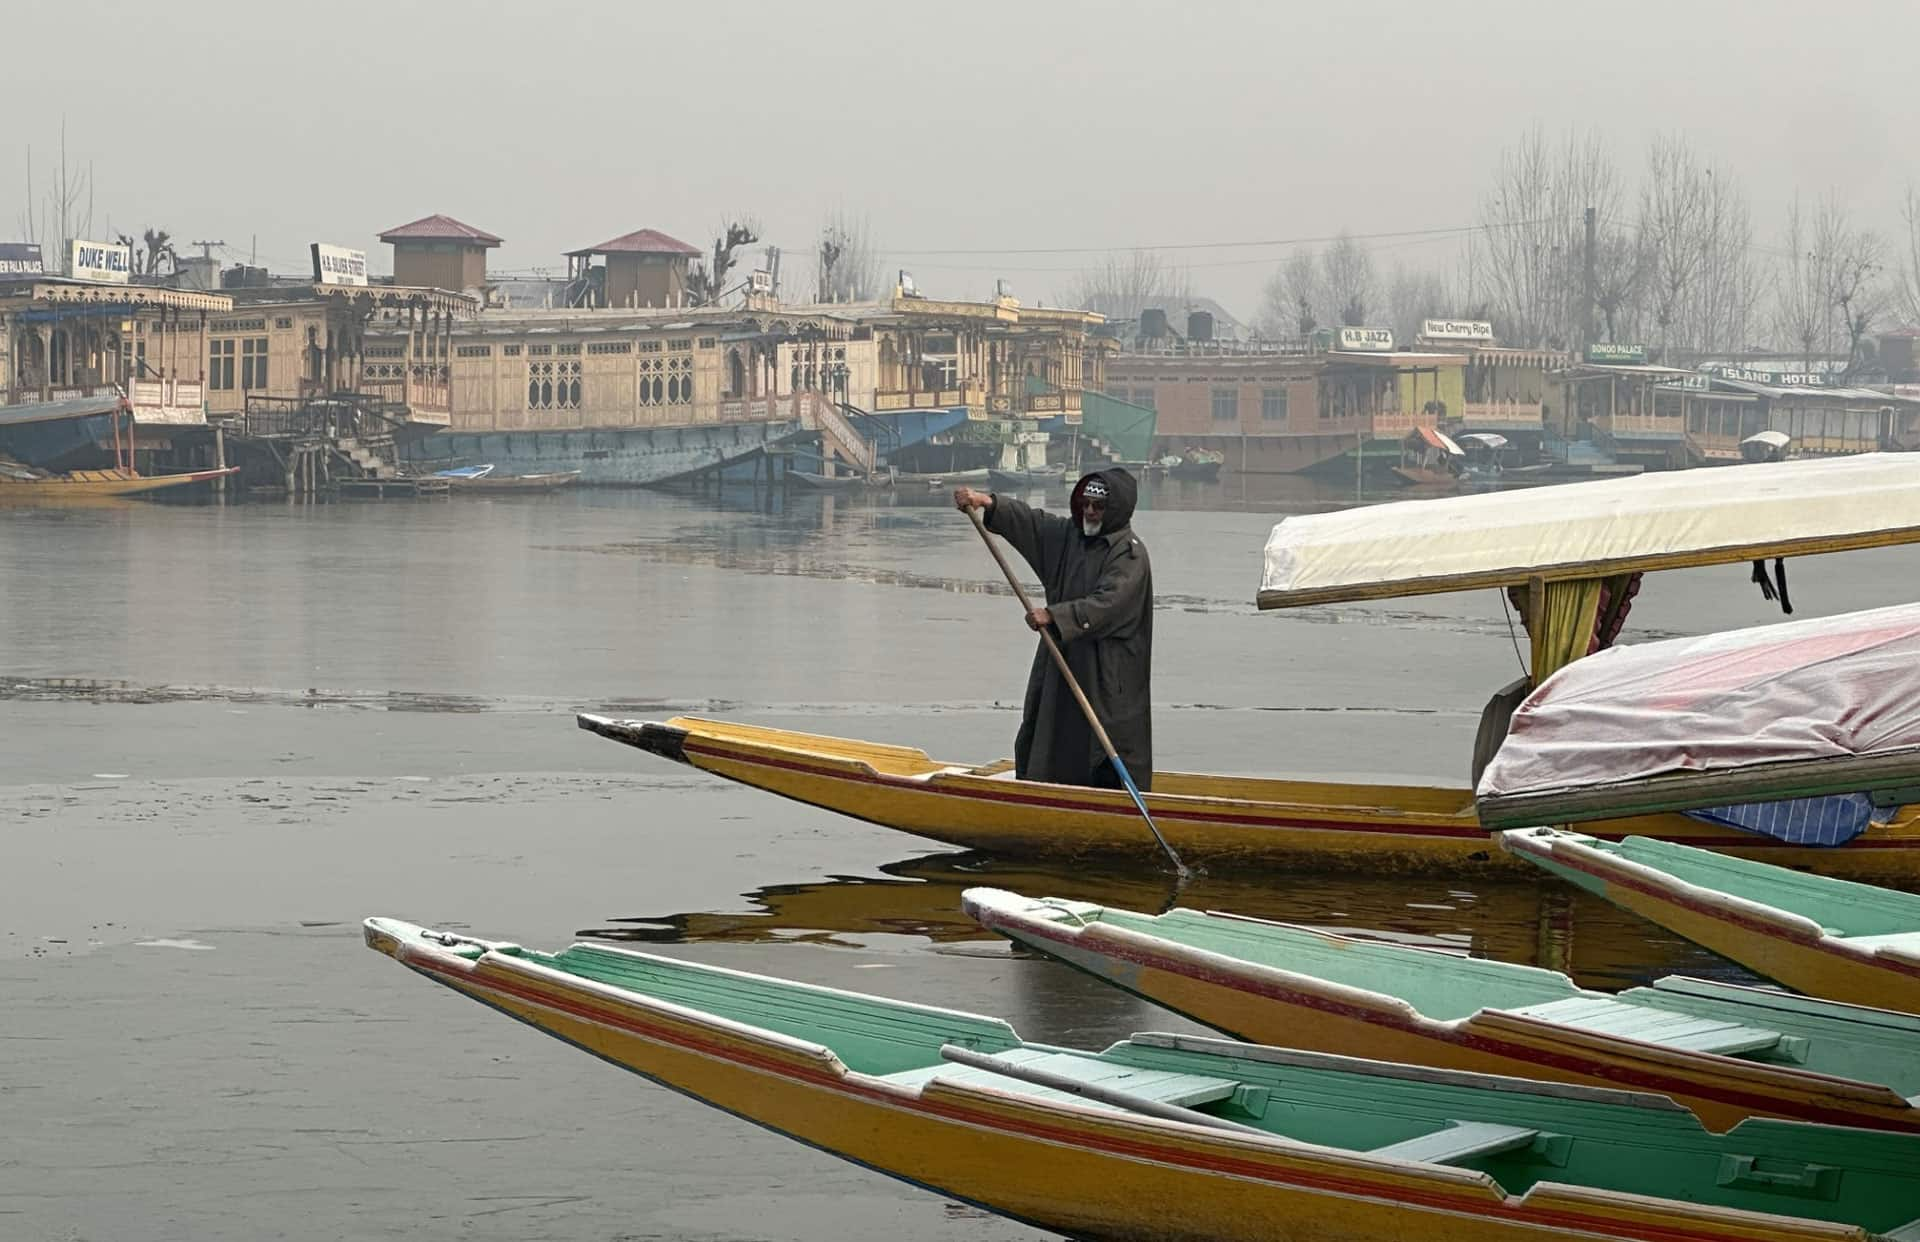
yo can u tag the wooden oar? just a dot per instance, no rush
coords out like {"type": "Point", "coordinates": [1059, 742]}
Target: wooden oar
{"type": "Point", "coordinates": [1080, 697]}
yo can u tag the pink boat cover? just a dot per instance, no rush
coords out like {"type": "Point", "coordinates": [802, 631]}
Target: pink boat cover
{"type": "Point", "coordinates": [1829, 688]}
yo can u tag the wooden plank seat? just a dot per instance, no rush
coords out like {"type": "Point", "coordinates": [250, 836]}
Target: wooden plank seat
{"type": "Point", "coordinates": [1683, 1031]}
{"type": "Point", "coordinates": [1463, 1140]}
{"type": "Point", "coordinates": [1159, 1086]}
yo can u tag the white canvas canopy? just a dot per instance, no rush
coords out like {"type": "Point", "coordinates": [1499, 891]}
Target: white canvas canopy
{"type": "Point", "coordinates": [1589, 530]}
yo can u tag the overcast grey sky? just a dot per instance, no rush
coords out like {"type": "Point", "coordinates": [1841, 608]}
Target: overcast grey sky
{"type": "Point", "coordinates": [955, 126]}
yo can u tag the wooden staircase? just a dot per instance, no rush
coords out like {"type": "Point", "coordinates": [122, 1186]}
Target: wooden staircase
{"type": "Point", "coordinates": [838, 436]}
{"type": "Point", "coordinates": [372, 457]}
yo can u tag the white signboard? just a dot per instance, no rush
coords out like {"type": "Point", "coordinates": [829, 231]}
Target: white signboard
{"type": "Point", "coordinates": [1457, 330]}
{"type": "Point", "coordinates": [760, 282]}
{"type": "Point", "coordinates": [1366, 340]}
{"type": "Point", "coordinates": [336, 265]}
{"type": "Point", "coordinates": [92, 260]}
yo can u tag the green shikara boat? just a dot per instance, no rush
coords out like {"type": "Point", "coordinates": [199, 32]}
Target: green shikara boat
{"type": "Point", "coordinates": [1725, 1052]}
{"type": "Point", "coordinates": [1181, 1138]}
{"type": "Point", "coordinates": [1825, 937]}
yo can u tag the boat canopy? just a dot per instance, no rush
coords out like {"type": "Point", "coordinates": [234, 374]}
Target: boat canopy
{"type": "Point", "coordinates": [1779, 713]}
{"type": "Point", "coordinates": [1585, 544]}
{"type": "Point", "coordinates": [1433, 437]}
{"type": "Point", "coordinates": [1772, 439]}
{"type": "Point", "coordinates": [1484, 439]}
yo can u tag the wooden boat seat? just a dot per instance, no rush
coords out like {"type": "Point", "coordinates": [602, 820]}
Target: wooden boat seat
{"type": "Point", "coordinates": [1160, 1086]}
{"type": "Point", "coordinates": [1665, 1027]}
{"type": "Point", "coordinates": [1462, 1140]}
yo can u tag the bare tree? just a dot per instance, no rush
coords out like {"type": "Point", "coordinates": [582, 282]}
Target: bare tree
{"type": "Point", "coordinates": [1347, 276]}
{"type": "Point", "coordinates": [1522, 272]}
{"type": "Point", "coordinates": [846, 261]}
{"type": "Point", "coordinates": [1530, 258]}
{"type": "Point", "coordinates": [707, 281]}
{"type": "Point", "coordinates": [1672, 227]}
{"type": "Point", "coordinates": [1122, 285]}
{"type": "Point", "coordinates": [1799, 288]}
{"type": "Point", "coordinates": [1619, 281]}
{"type": "Point", "coordinates": [1906, 285]}
{"type": "Point", "coordinates": [1292, 298]}
{"type": "Point", "coordinates": [1413, 296]}
{"type": "Point", "coordinates": [1850, 263]}
{"type": "Point", "coordinates": [154, 246]}
{"type": "Point", "coordinates": [63, 212]}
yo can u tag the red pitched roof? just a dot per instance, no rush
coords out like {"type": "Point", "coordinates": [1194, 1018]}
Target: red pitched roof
{"type": "Point", "coordinates": [439, 228]}
{"type": "Point", "coordinates": [643, 241]}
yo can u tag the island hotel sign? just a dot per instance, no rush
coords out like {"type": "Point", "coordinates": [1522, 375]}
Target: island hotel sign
{"type": "Point", "coordinates": [20, 261]}
{"type": "Point", "coordinates": [336, 265]}
{"type": "Point", "coordinates": [110, 262]}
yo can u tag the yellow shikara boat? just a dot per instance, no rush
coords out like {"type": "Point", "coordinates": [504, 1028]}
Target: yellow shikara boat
{"type": "Point", "coordinates": [1825, 937]}
{"type": "Point", "coordinates": [1176, 1139]}
{"type": "Point", "coordinates": [1722, 1051]}
{"type": "Point", "coordinates": [97, 484]}
{"type": "Point", "coordinates": [1571, 556]}
{"type": "Point", "coordinates": [1219, 820]}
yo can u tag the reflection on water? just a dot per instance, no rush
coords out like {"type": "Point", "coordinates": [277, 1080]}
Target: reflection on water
{"type": "Point", "coordinates": [1537, 923]}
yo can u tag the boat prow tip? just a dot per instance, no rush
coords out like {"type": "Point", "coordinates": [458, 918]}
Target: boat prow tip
{"type": "Point", "coordinates": [665, 740]}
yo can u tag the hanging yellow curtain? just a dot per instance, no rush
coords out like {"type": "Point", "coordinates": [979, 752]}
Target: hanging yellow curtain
{"type": "Point", "coordinates": [1563, 624]}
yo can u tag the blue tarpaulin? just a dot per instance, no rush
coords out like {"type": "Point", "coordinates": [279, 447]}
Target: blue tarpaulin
{"type": "Point", "coordinates": [1832, 820]}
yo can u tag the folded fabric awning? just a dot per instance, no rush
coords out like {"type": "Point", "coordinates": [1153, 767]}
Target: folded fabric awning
{"type": "Point", "coordinates": [1774, 714]}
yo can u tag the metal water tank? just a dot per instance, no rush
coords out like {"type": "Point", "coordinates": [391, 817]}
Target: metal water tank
{"type": "Point", "coordinates": [1199, 325]}
{"type": "Point", "coordinates": [1153, 323]}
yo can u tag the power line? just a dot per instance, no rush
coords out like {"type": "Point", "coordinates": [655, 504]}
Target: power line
{"type": "Point", "coordinates": [1225, 245]}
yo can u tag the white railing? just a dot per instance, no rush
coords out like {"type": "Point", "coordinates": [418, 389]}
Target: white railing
{"type": "Point", "coordinates": [1504, 413]}
{"type": "Point", "coordinates": [821, 414]}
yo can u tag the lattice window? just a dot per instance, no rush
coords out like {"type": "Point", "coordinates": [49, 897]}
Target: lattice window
{"type": "Point", "coordinates": [553, 385]}
{"type": "Point", "coordinates": [473, 351]}
{"type": "Point", "coordinates": [666, 381]}
{"type": "Point", "coordinates": [510, 351]}
{"type": "Point", "coordinates": [610, 347]}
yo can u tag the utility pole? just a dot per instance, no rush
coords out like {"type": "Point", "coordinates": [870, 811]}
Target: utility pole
{"type": "Point", "coordinates": [206, 249]}
{"type": "Point", "coordinates": [1587, 300]}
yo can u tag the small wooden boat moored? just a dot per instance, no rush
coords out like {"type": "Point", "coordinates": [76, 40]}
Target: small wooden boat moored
{"type": "Point", "coordinates": [1177, 1138]}
{"type": "Point", "coordinates": [1825, 937]}
{"type": "Point", "coordinates": [491, 484]}
{"type": "Point", "coordinates": [1045, 476]}
{"type": "Point", "coordinates": [940, 478]}
{"type": "Point", "coordinates": [468, 473]}
{"type": "Point", "coordinates": [833, 482]}
{"type": "Point", "coordinates": [1725, 1052]}
{"type": "Point", "coordinates": [90, 484]}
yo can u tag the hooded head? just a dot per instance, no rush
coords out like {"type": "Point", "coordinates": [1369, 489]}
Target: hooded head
{"type": "Point", "coordinates": [1121, 492]}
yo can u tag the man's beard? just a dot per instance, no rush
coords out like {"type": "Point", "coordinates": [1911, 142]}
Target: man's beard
{"type": "Point", "coordinates": [1090, 526]}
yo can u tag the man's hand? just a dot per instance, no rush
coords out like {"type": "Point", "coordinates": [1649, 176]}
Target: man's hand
{"type": "Point", "coordinates": [1039, 619]}
{"type": "Point", "coordinates": [965, 498]}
